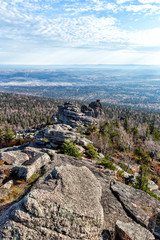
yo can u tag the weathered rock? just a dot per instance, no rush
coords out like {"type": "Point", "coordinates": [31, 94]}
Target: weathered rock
{"type": "Point", "coordinates": [94, 109]}
{"type": "Point", "coordinates": [50, 152]}
{"type": "Point", "coordinates": [67, 206]}
{"type": "Point", "coordinates": [31, 166]}
{"type": "Point", "coordinates": [87, 110]}
{"type": "Point", "coordinates": [2, 177]}
{"type": "Point", "coordinates": [111, 206]}
{"type": "Point", "coordinates": [118, 168]}
{"type": "Point", "coordinates": [140, 206]}
{"type": "Point", "coordinates": [7, 184]}
{"type": "Point", "coordinates": [59, 133]}
{"type": "Point", "coordinates": [53, 145]}
{"type": "Point", "coordinates": [5, 169]}
{"type": "Point", "coordinates": [4, 193]}
{"type": "Point", "coordinates": [14, 157]}
{"type": "Point", "coordinates": [132, 231]}
{"type": "Point", "coordinates": [153, 186]}
{"type": "Point", "coordinates": [71, 114]}
{"type": "Point", "coordinates": [97, 109]}
{"type": "Point", "coordinates": [100, 156]}
{"type": "Point", "coordinates": [40, 142]}
{"type": "Point", "coordinates": [32, 151]}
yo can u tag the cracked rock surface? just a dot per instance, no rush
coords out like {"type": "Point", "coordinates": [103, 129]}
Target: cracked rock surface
{"type": "Point", "coordinates": [75, 200]}
{"type": "Point", "coordinates": [67, 206]}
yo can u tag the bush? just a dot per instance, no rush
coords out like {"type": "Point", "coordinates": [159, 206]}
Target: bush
{"type": "Point", "coordinates": [69, 148]}
{"type": "Point", "coordinates": [107, 163]}
{"type": "Point", "coordinates": [91, 152]}
{"type": "Point", "coordinates": [142, 178]}
{"type": "Point", "coordinates": [120, 175]}
{"type": "Point", "coordinates": [152, 194]}
{"type": "Point", "coordinates": [90, 129]}
{"type": "Point", "coordinates": [142, 156]}
{"type": "Point", "coordinates": [125, 168]}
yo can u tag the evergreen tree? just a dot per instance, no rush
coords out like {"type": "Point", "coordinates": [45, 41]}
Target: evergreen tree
{"type": "Point", "coordinates": [126, 125]}
{"type": "Point", "coordinates": [1, 136]}
{"type": "Point", "coordinates": [142, 178]}
{"type": "Point", "coordinates": [8, 135]}
{"type": "Point", "coordinates": [142, 156]}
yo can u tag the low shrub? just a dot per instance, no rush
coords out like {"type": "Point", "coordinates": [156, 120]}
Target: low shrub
{"type": "Point", "coordinates": [91, 152]}
{"type": "Point", "coordinates": [125, 168]}
{"type": "Point", "coordinates": [120, 175]}
{"type": "Point", "coordinates": [152, 194]}
{"type": "Point", "coordinates": [107, 163]}
{"type": "Point", "coordinates": [69, 148]}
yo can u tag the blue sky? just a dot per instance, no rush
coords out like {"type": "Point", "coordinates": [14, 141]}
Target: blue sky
{"type": "Point", "coordinates": [79, 32]}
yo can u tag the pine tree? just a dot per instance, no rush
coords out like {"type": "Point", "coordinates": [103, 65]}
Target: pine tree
{"type": "Point", "coordinates": [8, 135]}
{"type": "Point", "coordinates": [1, 136]}
{"type": "Point", "coordinates": [126, 125]}
{"type": "Point", "coordinates": [142, 178]}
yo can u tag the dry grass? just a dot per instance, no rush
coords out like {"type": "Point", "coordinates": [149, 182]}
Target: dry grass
{"type": "Point", "coordinates": [19, 187]}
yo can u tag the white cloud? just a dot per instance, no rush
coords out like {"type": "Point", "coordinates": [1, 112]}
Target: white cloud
{"type": "Point", "coordinates": [28, 26]}
{"type": "Point", "coordinates": [146, 8]}
{"type": "Point", "coordinates": [123, 1]}
{"type": "Point", "coordinates": [149, 1]}
{"type": "Point", "coordinates": [146, 38]}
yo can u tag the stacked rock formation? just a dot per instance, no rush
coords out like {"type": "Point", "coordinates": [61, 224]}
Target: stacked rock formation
{"type": "Point", "coordinates": [94, 109]}
{"type": "Point", "coordinates": [72, 115]}
{"type": "Point", "coordinates": [61, 132]}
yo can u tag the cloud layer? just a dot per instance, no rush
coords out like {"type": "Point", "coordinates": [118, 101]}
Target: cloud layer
{"type": "Point", "coordinates": [39, 27]}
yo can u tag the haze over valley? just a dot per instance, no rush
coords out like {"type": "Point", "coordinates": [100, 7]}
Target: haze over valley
{"type": "Point", "coordinates": [135, 86]}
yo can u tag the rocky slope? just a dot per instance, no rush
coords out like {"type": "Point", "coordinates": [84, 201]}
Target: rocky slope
{"type": "Point", "coordinates": [73, 199]}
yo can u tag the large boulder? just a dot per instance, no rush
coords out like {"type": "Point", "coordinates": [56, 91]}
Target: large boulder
{"type": "Point", "coordinates": [66, 206]}
{"type": "Point", "coordinates": [132, 231]}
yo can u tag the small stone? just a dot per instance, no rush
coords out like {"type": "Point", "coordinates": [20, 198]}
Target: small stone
{"type": "Point", "coordinates": [7, 184]}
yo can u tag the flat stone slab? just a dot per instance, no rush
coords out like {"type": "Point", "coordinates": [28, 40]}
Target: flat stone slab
{"type": "Point", "coordinates": [14, 157]}
{"type": "Point", "coordinates": [139, 205]}
{"type": "Point", "coordinates": [132, 231]}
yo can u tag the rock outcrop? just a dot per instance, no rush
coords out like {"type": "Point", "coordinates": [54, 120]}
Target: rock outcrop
{"type": "Point", "coordinates": [140, 206]}
{"type": "Point", "coordinates": [22, 164]}
{"type": "Point", "coordinates": [61, 132]}
{"type": "Point", "coordinates": [72, 115]}
{"type": "Point", "coordinates": [67, 206]}
{"type": "Point", "coordinates": [75, 200]}
{"type": "Point", "coordinates": [14, 157]}
{"type": "Point", "coordinates": [94, 109]}
{"type": "Point", "coordinates": [28, 168]}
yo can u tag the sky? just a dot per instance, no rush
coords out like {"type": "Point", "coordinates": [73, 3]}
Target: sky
{"type": "Point", "coordinates": [56, 32]}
